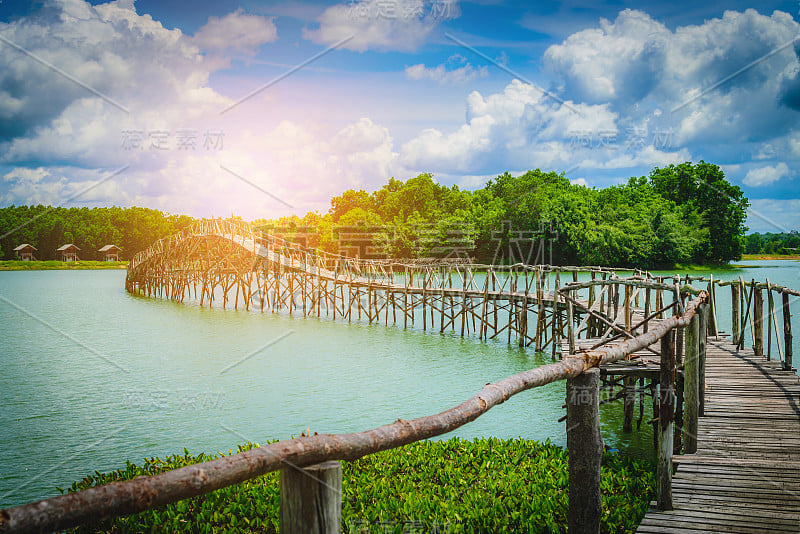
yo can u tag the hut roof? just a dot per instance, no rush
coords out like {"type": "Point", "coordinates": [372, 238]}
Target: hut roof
{"type": "Point", "coordinates": [24, 246]}
{"type": "Point", "coordinates": [106, 248]}
{"type": "Point", "coordinates": [67, 247]}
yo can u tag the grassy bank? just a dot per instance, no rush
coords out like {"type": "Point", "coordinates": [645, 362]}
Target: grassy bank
{"type": "Point", "coordinates": [55, 264]}
{"type": "Point", "coordinates": [457, 486]}
{"type": "Point", "coordinates": [770, 256]}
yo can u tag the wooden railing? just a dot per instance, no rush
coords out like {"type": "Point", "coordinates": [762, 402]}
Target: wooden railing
{"type": "Point", "coordinates": [311, 489]}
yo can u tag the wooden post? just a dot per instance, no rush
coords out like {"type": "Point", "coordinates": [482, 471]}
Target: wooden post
{"type": "Point", "coordinates": [735, 313]}
{"type": "Point", "coordinates": [627, 308]}
{"type": "Point", "coordinates": [771, 312]}
{"type": "Point", "coordinates": [713, 327]}
{"type": "Point", "coordinates": [311, 499]}
{"type": "Point", "coordinates": [787, 333]}
{"type": "Point", "coordinates": [570, 327]}
{"type": "Point", "coordinates": [591, 322]}
{"type": "Point", "coordinates": [555, 340]}
{"type": "Point", "coordinates": [691, 385]}
{"type": "Point", "coordinates": [666, 413]}
{"type": "Point", "coordinates": [758, 322]}
{"type": "Point", "coordinates": [628, 403]}
{"type": "Point", "coordinates": [585, 444]}
{"type": "Point", "coordinates": [703, 312]}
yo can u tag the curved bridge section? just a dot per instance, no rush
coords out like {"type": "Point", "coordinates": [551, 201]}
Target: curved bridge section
{"type": "Point", "coordinates": [228, 260]}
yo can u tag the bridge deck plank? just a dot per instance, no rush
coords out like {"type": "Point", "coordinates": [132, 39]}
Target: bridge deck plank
{"type": "Point", "coordinates": [745, 476]}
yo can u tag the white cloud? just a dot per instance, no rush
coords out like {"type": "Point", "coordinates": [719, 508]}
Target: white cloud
{"type": "Point", "coordinates": [521, 128]}
{"type": "Point", "coordinates": [447, 73]}
{"type": "Point", "coordinates": [69, 138]}
{"type": "Point", "coordinates": [636, 63]}
{"type": "Point", "coordinates": [380, 24]}
{"type": "Point", "coordinates": [156, 76]}
{"type": "Point", "coordinates": [236, 31]}
{"type": "Point", "coordinates": [580, 181]}
{"type": "Point", "coordinates": [766, 175]}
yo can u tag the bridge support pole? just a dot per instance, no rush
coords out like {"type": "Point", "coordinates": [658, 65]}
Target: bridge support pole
{"type": "Point", "coordinates": [311, 499]}
{"type": "Point", "coordinates": [629, 383]}
{"type": "Point", "coordinates": [666, 426]}
{"type": "Point", "coordinates": [585, 446]}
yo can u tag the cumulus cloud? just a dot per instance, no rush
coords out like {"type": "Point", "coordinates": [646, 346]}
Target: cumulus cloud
{"type": "Point", "coordinates": [65, 140]}
{"type": "Point", "coordinates": [381, 25]}
{"type": "Point", "coordinates": [236, 31]}
{"type": "Point", "coordinates": [766, 175]}
{"type": "Point", "coordinates": [717, 77]}
{"type": "Point", "coordinates": [447, 73]}
{"type": "Point", "coordinates": [112, 69]}
{"type": "Point", "coordinates": [521, 128]}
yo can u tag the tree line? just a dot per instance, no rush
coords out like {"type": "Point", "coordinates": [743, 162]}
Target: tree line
{"type": "Point", "coordinates": [679, 214]}
{"type": "Point", "coordinates": [687, 213]}
{"type": "Point", "coordinates": [782, 243]}
{"type": "Point", "coordinates": [47, 228]}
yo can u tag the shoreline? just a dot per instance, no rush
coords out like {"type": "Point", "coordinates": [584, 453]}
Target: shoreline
{"type": "Point", "coordinates": [770, 257]}
{"type": "Point", "coordinates": [55, 265]}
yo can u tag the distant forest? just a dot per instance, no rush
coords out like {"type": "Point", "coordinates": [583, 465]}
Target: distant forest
{"type": "Point", "coordinates": [783, 243]}
{"type": "Point", "coordinates": [679, 214]}
{"type": "Point", "coordinates": [47, 228]}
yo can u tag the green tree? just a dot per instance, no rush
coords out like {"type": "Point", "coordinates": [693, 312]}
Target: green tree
{"type": "Point", "coordinates": [702, 188]}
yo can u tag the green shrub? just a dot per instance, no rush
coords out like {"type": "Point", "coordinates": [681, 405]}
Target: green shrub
{"type": "Point", "coordinates": [485, 485]}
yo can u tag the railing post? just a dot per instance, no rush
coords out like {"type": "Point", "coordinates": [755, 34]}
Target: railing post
{"type": "Point", "coordinates": [713, 327]}
{"type": "Point", "coordinates": [311, 499]}
{"type": "Point", "coordinates": [691, 385]}
{"type": "Point", "coordinates": [703, 313]}
{"type": "Point", "coordinates": [787, 333]}
{"type": "Point", "coordinates": [735, 313]}
{"type": "Point", "coordinates": [570, 327]}
{"type": "Point", "coordinates": [666, 414]}
{"type": "Point", "coordinates": [585, 445]}
{"type": "Point", "coordinates": [758, 322]}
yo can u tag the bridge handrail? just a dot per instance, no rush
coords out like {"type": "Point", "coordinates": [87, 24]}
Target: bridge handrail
{"type": "Point", "coordinates": [128, 497]}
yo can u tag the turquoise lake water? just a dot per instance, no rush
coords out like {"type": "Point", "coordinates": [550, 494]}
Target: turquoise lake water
{"type": "Point", "coordinates": [93, 376]}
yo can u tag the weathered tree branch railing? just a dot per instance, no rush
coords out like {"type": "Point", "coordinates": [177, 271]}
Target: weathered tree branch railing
{"type": "Point", "coordinates": [306, 453]}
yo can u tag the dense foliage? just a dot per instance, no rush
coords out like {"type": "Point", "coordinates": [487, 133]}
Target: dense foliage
{"type": "Point", "coordinates": [684, 213]}
{"type": "Point", "coordinates": [769, 243]}
{"type": "Point", "coordinates": [485, 485]}
{"type": "Point", "coordinates": [47, 228]}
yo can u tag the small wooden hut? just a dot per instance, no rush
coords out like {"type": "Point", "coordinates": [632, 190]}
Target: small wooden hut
{"type": "Point", "coordinates": [110, 252]}
{"type": "Point", "coordinates": [25, 252]}
{"type": "Point", "coordinates": [69, 252]}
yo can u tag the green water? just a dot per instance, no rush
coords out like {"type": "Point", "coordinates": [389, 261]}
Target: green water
{"type": "Point", "coordinates": [92, 377]}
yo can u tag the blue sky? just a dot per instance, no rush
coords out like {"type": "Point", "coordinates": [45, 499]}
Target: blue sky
{"type": "Point", "coordinates": [266, 109]}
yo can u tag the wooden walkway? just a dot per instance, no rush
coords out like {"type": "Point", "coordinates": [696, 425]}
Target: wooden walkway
{"type": "Point", "coordinates": [745, 476]}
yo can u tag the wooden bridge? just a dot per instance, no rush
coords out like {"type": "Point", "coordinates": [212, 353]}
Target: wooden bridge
{"type": "Point", "coordinates": [733, 411]}
{"type": "Point", "coordinates": [227, 260]}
